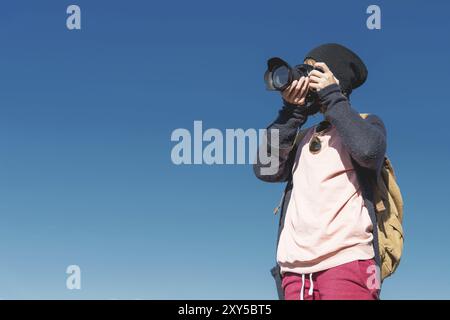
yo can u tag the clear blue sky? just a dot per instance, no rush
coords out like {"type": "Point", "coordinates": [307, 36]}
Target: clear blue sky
{"type": "Point", "coordinates": [86, 116]}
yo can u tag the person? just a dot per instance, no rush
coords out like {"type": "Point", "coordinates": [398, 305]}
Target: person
{"type": "Point", "coordinates": [327, 239]}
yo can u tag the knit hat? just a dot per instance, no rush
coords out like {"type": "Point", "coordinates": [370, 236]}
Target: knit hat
{"type": "Point", "coordinates": [346, 66]}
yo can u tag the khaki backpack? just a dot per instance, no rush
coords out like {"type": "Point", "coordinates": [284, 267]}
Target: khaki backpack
{"type": "Point", "coordinates": [388, 205]}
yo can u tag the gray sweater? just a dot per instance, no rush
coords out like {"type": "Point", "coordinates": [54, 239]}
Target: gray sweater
{"type": "Point", "coordinates": [365, 140]}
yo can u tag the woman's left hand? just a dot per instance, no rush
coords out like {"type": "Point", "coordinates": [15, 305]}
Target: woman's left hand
{"type": "Point", "coordinates": [320, 80]}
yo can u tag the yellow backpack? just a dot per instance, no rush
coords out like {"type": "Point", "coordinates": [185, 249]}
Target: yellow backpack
{"type": "Point", "coordinates": [388, 205]}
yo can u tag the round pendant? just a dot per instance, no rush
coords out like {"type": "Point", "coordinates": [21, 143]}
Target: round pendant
{"type": "Point", "coordinates": [315, 145]}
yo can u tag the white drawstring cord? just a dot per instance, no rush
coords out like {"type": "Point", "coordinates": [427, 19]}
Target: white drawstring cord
{"type": "Point", "coordinates": [303, 286]}
{"type": "Point", "coordinates": [311, 286]}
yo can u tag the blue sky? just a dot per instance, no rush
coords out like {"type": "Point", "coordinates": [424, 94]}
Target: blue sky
{"type": "Point", "coordinates": [86, 116]}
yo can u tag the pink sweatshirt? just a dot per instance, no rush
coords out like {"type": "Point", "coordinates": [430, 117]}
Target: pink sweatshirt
{"type": "Point", "coordinates": [326, 223]}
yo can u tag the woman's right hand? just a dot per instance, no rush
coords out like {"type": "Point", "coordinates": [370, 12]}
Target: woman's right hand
{"type": "Point", "coordinates": [296, 92]}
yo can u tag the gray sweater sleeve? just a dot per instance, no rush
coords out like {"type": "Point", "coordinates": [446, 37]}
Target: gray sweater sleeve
{"type": "Point", "coordinates": [365, 139]}
{"type": "Point", "coordinates": [289, 121]}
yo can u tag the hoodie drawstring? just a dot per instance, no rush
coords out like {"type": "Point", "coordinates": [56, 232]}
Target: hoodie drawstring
{"type": "Point", "coordinates": [303, 286]}
{"type": "Point", "coordinates": [311, 286]}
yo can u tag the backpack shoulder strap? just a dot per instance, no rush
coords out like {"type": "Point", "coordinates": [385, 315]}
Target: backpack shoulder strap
{"type": "Point", "coordinates": [300, 135]}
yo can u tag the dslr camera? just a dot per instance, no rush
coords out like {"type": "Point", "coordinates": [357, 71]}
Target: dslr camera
{"type": "Point", "coordinates": [280, 75]}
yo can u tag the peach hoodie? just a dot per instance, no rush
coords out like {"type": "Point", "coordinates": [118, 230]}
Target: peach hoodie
{"type": "Point", "coordinates": [327, 223]}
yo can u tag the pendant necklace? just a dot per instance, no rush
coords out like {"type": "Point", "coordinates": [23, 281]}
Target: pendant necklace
{"type": "Point", "coordinates": [315, 145]}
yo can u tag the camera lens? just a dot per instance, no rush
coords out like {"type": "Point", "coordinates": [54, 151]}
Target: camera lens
{"type": "Point", "coordinates": [280, 77]}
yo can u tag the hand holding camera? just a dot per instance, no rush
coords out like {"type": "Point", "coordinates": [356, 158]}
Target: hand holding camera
{"type": "Point", "coordinates": [296, 92]}
{"type": "Point", "coordinates": [320, 80]}
{"type": "Point", "coordinates": [299, 84]}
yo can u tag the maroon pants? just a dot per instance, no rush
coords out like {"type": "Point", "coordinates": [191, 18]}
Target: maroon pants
{"type": "Point", "coordinates": [356, 280]}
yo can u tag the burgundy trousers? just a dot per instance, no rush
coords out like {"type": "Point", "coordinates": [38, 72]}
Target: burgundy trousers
{"type": "Point", "coordinates": [356, 280]}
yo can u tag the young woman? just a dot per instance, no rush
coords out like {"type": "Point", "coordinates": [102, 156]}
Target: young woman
{"type": "Point", "coordinates": [327, 242]}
